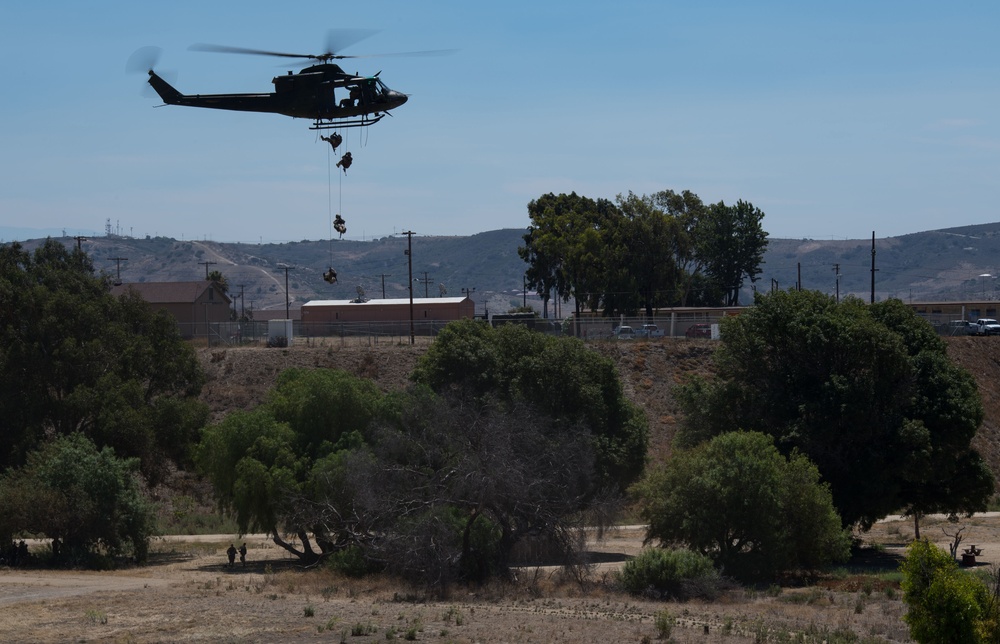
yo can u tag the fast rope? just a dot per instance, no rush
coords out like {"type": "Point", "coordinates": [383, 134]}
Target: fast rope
{"type": "Point", "coordinates": [329, 197]}
{"type": "Point", "coordinates": [335, 222]}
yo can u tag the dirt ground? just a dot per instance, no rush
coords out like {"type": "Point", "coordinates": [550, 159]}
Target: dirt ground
{"type": "Point", "coordinates": [189, 594]}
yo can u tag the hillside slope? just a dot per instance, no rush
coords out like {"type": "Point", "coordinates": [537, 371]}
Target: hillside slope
{"type": "Point", "coordinates": [240, 378]}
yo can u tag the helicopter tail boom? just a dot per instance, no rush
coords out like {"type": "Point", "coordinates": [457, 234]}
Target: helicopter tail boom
{"type": "Point", "coordinates": [166, 91]}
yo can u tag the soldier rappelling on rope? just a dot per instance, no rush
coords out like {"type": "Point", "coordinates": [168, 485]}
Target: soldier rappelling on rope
{"type": "Point", "coordinates": [334, 140]}
{"type": "Point", "coordinates": [340, 224]}
{"type": "Point", "coordinates": [330, 276]}
{"type": "Point", "coordinates": [345, 161]}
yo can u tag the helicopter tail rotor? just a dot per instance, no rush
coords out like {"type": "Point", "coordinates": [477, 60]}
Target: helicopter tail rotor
{"type": "Point", "coordinates": [143, 59]}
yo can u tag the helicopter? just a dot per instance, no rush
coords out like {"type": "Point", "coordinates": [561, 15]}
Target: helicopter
{"type": "Point", "coordinates": [323, 92]}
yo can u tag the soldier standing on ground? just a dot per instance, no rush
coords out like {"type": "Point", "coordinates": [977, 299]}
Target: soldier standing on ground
{"type": "Point", "coordinates": [243, 554]}
{"type": "Point", "coordinates": [232, 554]}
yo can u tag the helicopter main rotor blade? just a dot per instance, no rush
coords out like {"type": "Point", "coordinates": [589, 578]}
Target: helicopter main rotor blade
{"type": "Point", "coordinates": [225, 49]}
{"type": "Point", "coordinates": [336, 40]}
{"type": "Point", "coordinates": [340, 39]}
{"type": "Point", "coordinates": [428, 52]}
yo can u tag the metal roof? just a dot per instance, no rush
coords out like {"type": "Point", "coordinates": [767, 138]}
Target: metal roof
{"type": "Point", "coordinates": [168, 292]}
{"type": "Point", "coordinates": [421, 301]}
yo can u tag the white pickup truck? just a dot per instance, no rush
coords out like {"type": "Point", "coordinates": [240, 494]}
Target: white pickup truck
{"type": "Point", "coordinates": [987, 326]}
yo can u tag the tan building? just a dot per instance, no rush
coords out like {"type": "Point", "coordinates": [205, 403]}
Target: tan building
{"type": "Point", "coordinates": [325, 317]}
{"type": "Point", "coordinates": [200, 308]}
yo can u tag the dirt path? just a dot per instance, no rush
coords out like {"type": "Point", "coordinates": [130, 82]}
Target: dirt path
{"type": "Point", "coordinates": [189, 594]}
{"type": "Point", "coordinates": [18, 587]}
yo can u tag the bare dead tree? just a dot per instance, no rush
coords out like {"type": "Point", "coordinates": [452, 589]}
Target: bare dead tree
{"type": "Point", "coordinates": [956, 540]}
{"type": "Point", "coordinates": [457, 483]}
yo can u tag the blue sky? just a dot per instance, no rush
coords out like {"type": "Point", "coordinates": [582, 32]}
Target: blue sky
{"type": "Point", "coordinates": [836, 119]}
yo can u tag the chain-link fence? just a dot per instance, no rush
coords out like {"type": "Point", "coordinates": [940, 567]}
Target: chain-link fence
{"type": "Point", "coordinates": [251, 333]}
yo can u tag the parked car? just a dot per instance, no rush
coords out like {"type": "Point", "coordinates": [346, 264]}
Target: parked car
{"type": "Point", "coordinates": [651, 331]}
{"type": "Point", "coordinates": [961, 327]}
{"type": "Point", "coordinates": [625, 333]}
{"type": "Point", "coordinates": [699, 331]}
{"type": "Point", "coordinates": [987, 326]}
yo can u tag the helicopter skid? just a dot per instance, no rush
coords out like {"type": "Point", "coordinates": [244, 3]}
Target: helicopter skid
{"type": "Point", "coordinates": [345, 123]}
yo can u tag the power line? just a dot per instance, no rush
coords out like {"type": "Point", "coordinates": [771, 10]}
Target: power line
{"type": "Point", "coordinates": [426, 280]}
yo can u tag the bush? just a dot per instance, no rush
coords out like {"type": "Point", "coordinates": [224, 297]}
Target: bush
{"type": "Point", "coordinates": [351, 562]}
{"type": "Point", "coordinates": [664, 624]}
{"type": "Point", "coordinates": [679, 574]}
{"type": "Point", "coordinates": [944, 603]}
{"type": "Point", "coordinates": [559, 377]}
{"type": "Point", "coordinates": [737, 500]}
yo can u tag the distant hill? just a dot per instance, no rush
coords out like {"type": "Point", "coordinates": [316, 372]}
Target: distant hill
{"type": "Point", "coordinates": [938, 265]}
{"type": "Point", "coordinates": [486, 265]}
{"type": "Point", "coordinates": [942, 265]}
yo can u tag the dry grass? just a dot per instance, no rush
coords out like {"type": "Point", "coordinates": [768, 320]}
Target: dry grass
{"type": "Point", "coordinates": [189, 594]}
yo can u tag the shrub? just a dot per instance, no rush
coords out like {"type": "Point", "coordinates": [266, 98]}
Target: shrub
{"type": "Point", "coordinates": [944, 603]}
{"type": "Point", "coordinates": [351, 562]}
{"type": "Point", "coordinates": [737, 500]}
{"type": "Point", "coordinates": [664, 624]}
{"type": "Point", "coordinates": [670, 573]}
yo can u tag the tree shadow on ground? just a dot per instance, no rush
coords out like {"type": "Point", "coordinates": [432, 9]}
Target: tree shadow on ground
{"type": "Point", "coordinates": [254, 566]}
{"type": "Point", "coordinates": [874, 560]}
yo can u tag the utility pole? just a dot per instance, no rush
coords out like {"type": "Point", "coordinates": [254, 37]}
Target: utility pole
{"type": "Point", "coordinates": [79, 238]}
{"type": "Point", "coordinates": [118, 261]}
{"type": "Point", "coordinates": [207, 264]}
{"type": "Point", "coordinates": [798, 268]}
{"type": "Point", "coordinates": [468, 293]}
{"type": "Point", "coordinates": [873, 267]}
{"type": "Point", "coordinates": [524, 292]}
{"type": "Point", "coordinates": [409, 262]}
{"type": "Point", "coordinates": [384, 275]}
{"type": "Point", "coordinates": [242, 309]}
{"type": "Point", "coordinates": [836, 272]}
{"type": "Point", "coordinates": [288, 315]}
{"type": "Point", "coordinates": [426, 280]}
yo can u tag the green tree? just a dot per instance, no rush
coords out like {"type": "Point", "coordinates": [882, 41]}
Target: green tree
{"type": "Point", "coordinates": [944, 474]}
{"type": "Point", "coordinates": [731, 242]}
{"type": "Point", "coordinates": [220, 279]}
{"type": "Point", "coordinates": [690, 214]}
{"type": "Point", "coordinates": [944, 604]}
{"type": "Point", "coordinates": [75, 358]}
{"type": "Point", "coordinates": [881, 412]}
{"type": "Point", "coordinates": [263, 463]}
{"type": "Point", "coordinates": [737, 500]}
{"type": "Point", "coordinates": [431, 488]}
{"type": "Point", "coordinates": [88, 500]}
{"type": "Point", "coordinates": [557, 376]}
{"type": "Point", "coordinates": [565, 246]}
{"type": "Point", "coordinates": [647, 238]}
